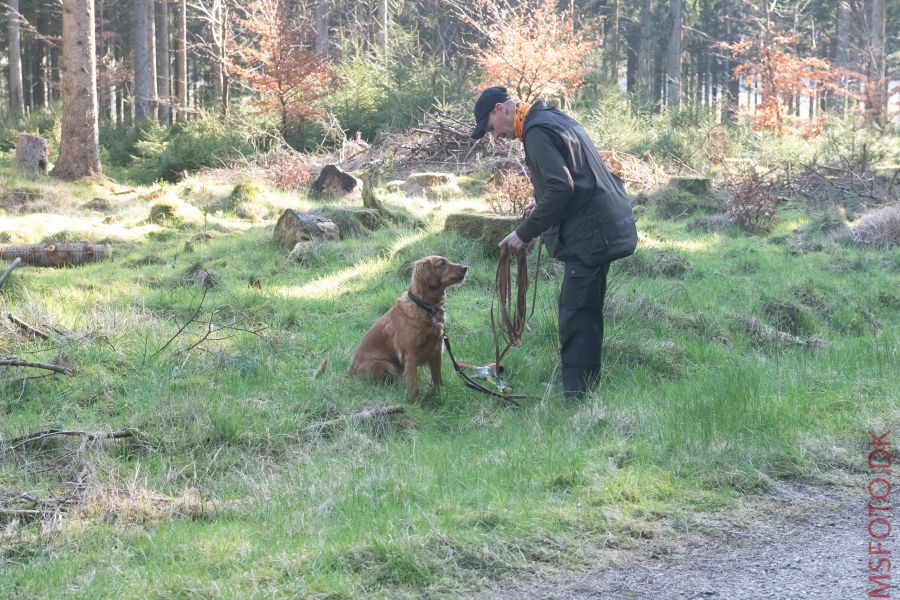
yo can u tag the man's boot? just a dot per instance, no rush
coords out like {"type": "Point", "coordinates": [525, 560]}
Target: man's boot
{"type": "Point", "coordinates": [577, 381]}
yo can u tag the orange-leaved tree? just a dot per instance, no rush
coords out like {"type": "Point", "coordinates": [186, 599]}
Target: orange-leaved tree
{"type": "Point", "coordinates": [770, 62]}
{"type": "Point", "coordinates": [277, 62]}
{"type": "Point", "coordinates": [529, 46]}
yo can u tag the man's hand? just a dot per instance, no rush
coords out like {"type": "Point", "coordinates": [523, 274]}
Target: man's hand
{"type": "Point", "coordinates": [531, 206]}
{"type": "Point", "coordinates": [514, 242]}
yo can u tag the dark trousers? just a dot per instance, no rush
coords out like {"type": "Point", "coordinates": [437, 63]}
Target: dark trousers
{"type": "Point", "coordinates": [581, 325]}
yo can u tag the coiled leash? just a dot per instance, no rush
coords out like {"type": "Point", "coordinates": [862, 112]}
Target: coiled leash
{"type": "Point", "coordinates": [512, 317]}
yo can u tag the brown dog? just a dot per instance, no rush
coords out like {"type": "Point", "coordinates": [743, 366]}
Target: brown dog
{"type": "Point", "coordinates": [411, 333]}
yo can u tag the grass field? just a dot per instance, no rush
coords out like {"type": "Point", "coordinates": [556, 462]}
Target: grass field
{"type": "Point", "coordinates": [244, 482]}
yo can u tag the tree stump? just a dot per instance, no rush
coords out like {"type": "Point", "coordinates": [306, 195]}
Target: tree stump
{"type": "Point", "coordinates": [56, 255]}
{"type": "Point", "coordinates": [294, 226]}
{"type": "Point", "coordinates": [334, 181]}
{"type": "Point", "coordinates": [370, 200]}
{"type": "Point", "coordinates": [33, 151]}
{"type": "Point", "coordinates": [427, 180]}
{"type": "Point", "coordinates": [485, 229]}
{"type": "Point", "coordinates": [434, 186]}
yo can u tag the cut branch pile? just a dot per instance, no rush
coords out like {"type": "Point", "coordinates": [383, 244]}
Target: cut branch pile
{"type": "Point", "coordinates": [849, 186]}
{"type": "Point", "coordinates": [638, 174]}
{"type": "Point", "coordinates": [78, 492]}
{"type": "Point", "coordinates": [441, 142]}
{"type": "Point", "coordinates": [26, 507]}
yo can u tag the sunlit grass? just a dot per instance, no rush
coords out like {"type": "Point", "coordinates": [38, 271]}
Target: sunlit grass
{"type": "Point", "coordinates": [692, 413]}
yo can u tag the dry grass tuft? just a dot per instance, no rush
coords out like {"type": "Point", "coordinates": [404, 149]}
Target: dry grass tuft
{"type": "Point", "coordinates": [137, 504]}
{"type": "Point", "coordinates": [879, 228]}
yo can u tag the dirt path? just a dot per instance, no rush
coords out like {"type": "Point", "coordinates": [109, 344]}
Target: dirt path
{"type": "Point", "coordinates": [802, 542]}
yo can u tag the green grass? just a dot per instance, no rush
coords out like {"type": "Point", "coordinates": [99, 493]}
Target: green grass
{"type": "Point", "coordinates": [692, 412]}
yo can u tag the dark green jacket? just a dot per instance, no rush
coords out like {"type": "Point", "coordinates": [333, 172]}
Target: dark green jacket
{"type": "Point", "coordinates": [582, 209]}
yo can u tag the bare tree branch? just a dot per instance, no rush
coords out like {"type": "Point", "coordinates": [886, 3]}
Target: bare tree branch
{"type": "Point", "coordinates": [9, 270]}
{"type": "Point", "coordinates": [88, 435]}
{"type": "Point", "coordinates": [18, 362]}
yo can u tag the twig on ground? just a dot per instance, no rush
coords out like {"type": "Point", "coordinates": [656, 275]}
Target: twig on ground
{"type": "Point", "coordinates": [18, 362]}
{"type": "Point", "coordinates": [367, 416]}
{"type": "Point", "coordinates": [29, 328]}
{"type": "Point", "coordinates": [87, 435]}
{"type": "Point", "coordinates": [184, 326]}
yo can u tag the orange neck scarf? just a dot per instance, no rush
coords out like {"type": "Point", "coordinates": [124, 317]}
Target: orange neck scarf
{"type": "Point", "coordinates": [522, 109]}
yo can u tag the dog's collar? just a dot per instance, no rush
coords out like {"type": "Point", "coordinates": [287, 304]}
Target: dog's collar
{"type": "Point", "coordinates": [433, 311]}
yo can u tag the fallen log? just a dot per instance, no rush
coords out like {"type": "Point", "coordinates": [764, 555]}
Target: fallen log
{"type": "Point", "coordinates": [56, 255]}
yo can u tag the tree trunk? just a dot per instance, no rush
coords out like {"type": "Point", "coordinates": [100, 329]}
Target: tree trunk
{"type": "Point", "coordinates": [841, 54]}
{"type": "Point", "coordinates": [815, 53]}
{"type": "Point", "coordinates": [215, 26]}
{"type": "Point", "coordinates": [120, 103]}
{"type": "Point", "coordinates": [102, 99]}
{"type": "Point", "coordinates": [151, 59]}
{"type": "Point", "coordinates": [732, 89]}
{"type": "Point", "coordinates": [16, 91]}
{"type": "Point", "coordinates": [113, 106]}
{"type": "Point", "coordinates": [383, 25]}
{"type": "Point", "coordinates": [43, 49]}
{"type": "Point", "coordinates": [163, 59]}
{"type": "Point", "coordinates": [877, 93]}
{"type": "Point", "coordinates": [141, 61]}
{"type": "Point", "coordinates": [53, 75]}
{"type": "Point", "coordinates": [223, 59]}
{"type": "Point", "coordinates": [39, 49]}
{"type": "Point", "coordinates": [644, 76]}
{"type": "Point", "coordinates": [37, 81]}
{"type": "Point", "coordinates": [631, 59]}
{"type": "Point", "coordinates": [673, 58]}
{"type": "Point", "coordinates": [181, 61]}
{"type": "Point", "coordinates": [79, 146]}
{"type": "Point", "coordinates": [27, 75]}
{"type": "Point", "coordinates": [323, 10]}
{"type": "Point", "coordinates": [611, 57]}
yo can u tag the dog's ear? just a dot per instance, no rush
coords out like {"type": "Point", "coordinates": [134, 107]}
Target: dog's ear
{"type": "Point", "coordinates": [418, 270]}
{"type": "Point", "coordinates": [425, 274]}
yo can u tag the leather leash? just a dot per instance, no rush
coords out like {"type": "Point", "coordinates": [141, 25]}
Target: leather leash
{"type": "Point", "coordinates": [472, 384]}
{"type": "Point", "coordinates": [437, 315]}
{"type": "Point", "coordinates": [512, 317]}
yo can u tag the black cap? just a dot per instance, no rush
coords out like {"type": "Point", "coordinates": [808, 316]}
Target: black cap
{"type": "Point", "coordinates": [483, 107]}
